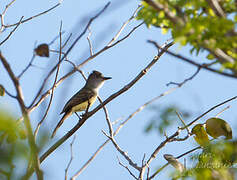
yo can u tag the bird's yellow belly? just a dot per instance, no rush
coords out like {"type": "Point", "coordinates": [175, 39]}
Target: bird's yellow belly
{"type": "Point", "coordinates": [83, 106]}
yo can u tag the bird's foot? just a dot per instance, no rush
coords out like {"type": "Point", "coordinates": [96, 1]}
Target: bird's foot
{"type": "Point", "coordinates": [85, 115]}
{"type": "Point", "coordinates": [79, 116]}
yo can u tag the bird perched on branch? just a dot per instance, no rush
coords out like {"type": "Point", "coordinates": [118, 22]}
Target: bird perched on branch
{"type": "Point", "coordinates": [84, 98]}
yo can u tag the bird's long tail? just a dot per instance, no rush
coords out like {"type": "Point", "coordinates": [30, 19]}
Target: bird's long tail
{"type": "Point", "coordinates": [65, 116]}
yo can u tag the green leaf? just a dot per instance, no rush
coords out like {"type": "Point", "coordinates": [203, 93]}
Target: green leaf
{"type": "Point", "coordinates": [2, 90]}
{"type": "Point", "coordinates": [182, 40]}
{"type": "Point", "coordinates": [10, 129]}
{"type": "Point", "coordinates": [217, 127]}
{"type": "Point", "coordinates": [201, 136]}
{"type": "Point", "coordinates": [210, 56]}
{"type": "Point", "coordinates": [164, 30]}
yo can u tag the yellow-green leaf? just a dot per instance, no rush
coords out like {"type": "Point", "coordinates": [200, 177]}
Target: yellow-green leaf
{"type": "Point", "coordinates": [161, 14]}
{"type": "Point", "coordinates": [2, 90]}
{"type": "Point", "coordinates": [201, 136]}
{"type": "Point", "coordinates": [42, 50]}
{"type": "Point", "coordinates": [22, 133]}
{"type": "Point", "coordinates": [210, 56]}
{"type": "Point", "coordinates": [164, 30]}
{"type": "Point", "coordinates": [217, 127]}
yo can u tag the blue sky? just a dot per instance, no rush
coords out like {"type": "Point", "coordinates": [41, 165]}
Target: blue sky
{"type": "Point", "coordinates": [122, 62]}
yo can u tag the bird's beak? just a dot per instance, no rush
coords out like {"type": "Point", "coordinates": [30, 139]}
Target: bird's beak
{"type": "Point", "coordinates": [107, 78]}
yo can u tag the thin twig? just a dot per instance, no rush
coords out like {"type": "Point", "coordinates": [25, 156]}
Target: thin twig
{"type": "Point", "coordinates": [148, 173]}
{"type": "Point", "coordinates": [142, 170]}
{"type": "Point", "coordinates": [202, 66]}
{"type": "Point", "coordinates": [123, 153]}
{"type": "Point", "coordinates": [9, 35]}
{"type": "Point", "coordinates": [67, 40]}
{"type": "Point", "coordinates": [188, 79]}
{"type": "Point", "coordinates": [27, 67]}
{"type": "Point", "coordinates": [126, 167]}
{"type": "Point", "coordinates": [3, 14]}
{"type": "Point", "coordinates": [161, 145]}
{"type": "Point", "coordinates": [32, 17]}
{"type": "Point", "coordinates": [89, 41]}
{"type": "Point", "coordinates": [55, 80]}
{"type": "Point", "coordinates": [89, 160]}
{"type": "Point", "coordinates": [181, 119]}
{"type": "Point", "coordinates": [123, 26]}
{"type": "Point", "coordinates": [111, 132]}
{"type": "Point", "coordinates": [54, 39]}
{"type": "Point", "coordinates": [209, 110]}
{"type": "Point", "coordinates": [9, 94]}
{"type": "Point", "coordinates": [222, 111]}
{"type": "Point", "coordinates": [71, 159]}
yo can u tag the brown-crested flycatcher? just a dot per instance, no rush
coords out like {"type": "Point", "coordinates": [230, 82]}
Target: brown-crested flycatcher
{"type": "Point", "coordinates": [84, 98]}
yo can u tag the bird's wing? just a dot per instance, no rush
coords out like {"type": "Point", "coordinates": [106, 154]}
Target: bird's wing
{"type": "Point", "coordinates": [81, 96]}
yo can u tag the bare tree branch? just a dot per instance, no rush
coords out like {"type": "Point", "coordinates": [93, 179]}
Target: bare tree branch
{"type": "Point", "coordinates": [209, 110]}
{"type": "Point", "coordinates": [188, 79]}
{"type": "Point", "coordinates": [113, 96]}
{"type": "Point", "coordinates": [9, 94]}
{"type": "Point", "coordinates": [181, 119]}
{"type": "Point", "coordinates": [204, 66]}
{"type": "Point", "coordinates": [9, 35]}
{"type": "Point", "coordinates": [32, 17]}
{"type": "Point", "coordinates": [55, 80]}
{"type": "Point", "coordinates": [66, 53]}
{"type": "Point", "coordinates": [43, 96]}
{"type": "Point", "coordinates": [124, 25]}
{"type": "Point", "coordinates": [25, 113]}
{"type": "Point", "coordinates": [27, 67]}
{"type": "Point", "coordinates": [216, 8]}
{"type": "Point", "coordinates": [81, 64]}
{"type": "Point", "coordinates": [222, 111]}
{"type": "Point", "coordinates": [57, 37]}
{"type": "Point", "coordinates": [89, 41]}
{"type": "Point", "coordinates": [3, 14]}
{"type": "Point", "coordinates": [119, 128]}
{"type": "Point", "coordinates": [82, 121]}
{"type": "Point", "coordinates": [160, 7]}
{"type": "Point", "coordinates": [111, 137]}
{"type": "Point", "coordinates": [123, 153]}
{"type": "Point", "coordinates": [70, 161]}
{"type": "Point", "coordinates": [126, 167]}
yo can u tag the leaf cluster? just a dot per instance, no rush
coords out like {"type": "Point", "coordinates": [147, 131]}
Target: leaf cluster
{"type": "Point", "coordinates": [195, 22]}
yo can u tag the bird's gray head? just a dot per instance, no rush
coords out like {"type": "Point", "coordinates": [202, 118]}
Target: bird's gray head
{"type": "Point", "coordinates": [96, 80]}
